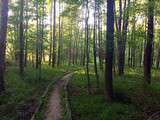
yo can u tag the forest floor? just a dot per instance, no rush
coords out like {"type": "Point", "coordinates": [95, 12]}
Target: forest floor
{"type": "Point", "coordinates": [22, 96]}
{"type": "Point", "coordinates": [132, 100]}
{"type": "Point", "coordinates": [54, 107]}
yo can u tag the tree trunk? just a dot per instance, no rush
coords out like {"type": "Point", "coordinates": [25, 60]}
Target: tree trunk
{"type": "Point", "coordinates": [59, 44]}
{"type": "Point", "coordinates": [26, 35]}
{"type": "Point", "coordinates": [100, 37]}
{"type": "Point", "coordinates": [129, 54]}
{"type": "Point", "coordinates": [141, 55]}
{"type": "Point", "coordinates": [95, 45]}
{"type": "Point", "coordinates": [87, 45]}
{"type": "Point", "coordinates": [54, 36]}
{"type": "Point", "coordinates": [124, 37]}
{"type": "Point", "coordinates": [21, 39]}
{"type": "Point", "coordinates": [37, 39]}
{"type": "Point", "coordinates": [158, 54]}
{"type": "Point", "coordinates": [109, 51]}
{"type": "Point", "coordinates": [3, 34]}
{"type": "Point", "coordinates": [51, 37]}
{"type": "Point", "coordinates": [149, 44]}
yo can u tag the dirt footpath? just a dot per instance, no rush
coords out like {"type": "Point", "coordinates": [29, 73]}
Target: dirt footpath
{"type": "Point", "coordinates": [54, 106]}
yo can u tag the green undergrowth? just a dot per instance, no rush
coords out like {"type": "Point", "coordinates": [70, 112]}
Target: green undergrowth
{"type": "Point", "coordinates": [132, 99]}
{"type": "Point", "coordinates": [22, 95]}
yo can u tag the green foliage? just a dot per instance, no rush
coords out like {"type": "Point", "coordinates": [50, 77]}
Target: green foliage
{"type": "Point", "coordinates": [20, 91]}
{"type": "Point", "coordinates": [73, 2]}
{"type": "Point", "coordinates": [132, 99]}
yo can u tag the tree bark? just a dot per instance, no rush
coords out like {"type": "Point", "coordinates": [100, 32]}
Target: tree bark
{"type": "Point", "coordinates": [21, 39]}
{"type": "Point", "coordinates": [26, 35]}
{"type": "Point", "coordinates": [54, 36]}
{"type": "Point", "coordinates": [100, 37]}
{"type": "Point", "coordinates": [60, 39]}
{"type": "Point", "coordinates": [122, 36]}
{"type": "Point", "coordinates": [149, 44]}
{"type": "Point", "coordinates": [87, 44]}
{"type": "Point", "coordinates": [109, 51]}
{"type": "Point", "coordinates": [95, 45]}
{"type": "Point", "coordinates": [37, 39]}
{"type": "Point", "coordinates": [51, 37]}
{"type": "Point", "coordinates": [3, 34]}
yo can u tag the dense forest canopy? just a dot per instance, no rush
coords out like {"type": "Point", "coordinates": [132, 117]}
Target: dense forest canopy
{"type": "Point", "coordinates": [111, 47]}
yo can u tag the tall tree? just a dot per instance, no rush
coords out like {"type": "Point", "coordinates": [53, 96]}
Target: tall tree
{"type": "Point", "coordinates": [87, 43]}
{"type": "Point", "coordinates": [122, 34]}
{"type": "Point", "coordinates": [21, 39]}
{"type": "Point", "coordinates": [41, 38]}
{"type": "Point", "coordinates": [51, 30]}
{"type": "Point", "coordinates": [54, 35]}
{"type": "Point", "coordinates": [26, 33]}
{"type": "Point", "coordinates": [149, 44]}
{"type": "Point", "coordinates": [119, 28]}
{"type": "Point", "coordinates": [124, 37]}
{"type": "Point", "coordinates": [3, 32]}
{"type": "Point", "coordinates": [60, 37]}
{"type": "Point", "coordinates": [95, 43]}
{"type": "Point", "coordinates": [37, 39]}
{"type": "Point", "coordinates": [100, 35]}
{"type": "Point", "coordinates": [109, 51]}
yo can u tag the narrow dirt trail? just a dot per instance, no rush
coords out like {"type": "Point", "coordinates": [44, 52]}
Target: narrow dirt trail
{"type": "Point", "coordinates": [54, 106]}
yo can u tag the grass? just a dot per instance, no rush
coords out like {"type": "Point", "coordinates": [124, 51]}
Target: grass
{"type": "Point", "coordinates": [24, 94]}
{"type": "Point", "coordinates": [133, 100]}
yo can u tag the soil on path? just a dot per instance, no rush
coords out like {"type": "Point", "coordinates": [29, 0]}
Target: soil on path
{"type": "Point", "coordinates": [54, 106]}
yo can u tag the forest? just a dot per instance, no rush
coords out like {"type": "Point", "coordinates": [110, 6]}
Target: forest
{"type": "Point", "coordinates": [79, 59]}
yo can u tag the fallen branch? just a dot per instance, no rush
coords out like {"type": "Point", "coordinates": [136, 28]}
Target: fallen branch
{"type": "Point", "coordinates": [67, 100]}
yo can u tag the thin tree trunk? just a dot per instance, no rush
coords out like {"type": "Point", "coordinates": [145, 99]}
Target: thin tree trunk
{"type": "Point", "coordinates": [119, 42]}
{"type": "Point", "coordinates": [100, 38]}
{"type": "Point", "coordinates": [51, 37]}
{"type": "Point", "coordinates": [84, 41]}
{"type": "Point", "coordinates": [26, 36]}
{"type": "Point", "coordinates": [59, 44]}
{"type": "Point", "coordinates": [41, 52]}
{"type": "Point", "coordinates": [122, 37]}
{"type": "Point", "coordinates": [87, 45]}
{"type": "Point", "coordinates": [95, 45]}
{"type": "Point", "coordinates": [21, 39]}
{"type": "Point", "coordinates": [129, 54]}
{"type": "Point", "coordinates": [54, 36]}
{"type": "Point", "coordinates": [141, 54]}
{"type": "Point", "coordinates": [37, 39]}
